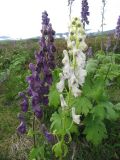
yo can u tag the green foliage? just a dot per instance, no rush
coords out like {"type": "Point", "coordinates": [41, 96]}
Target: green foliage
{"type": "Point", "coordinates": [54, 98]}
{"type": "Point", "coordinates": [57, 124]}
{"type": "Point", "coordinates": [91, 65]}
{"type": "Point", "coordinates": [60, 149]}
{"type": "Point", "coordinates": [95, 130]}
{"type": "Point", "coordinates": [83, 105]}
{"type": "Point", "coordinates": [37, 152]}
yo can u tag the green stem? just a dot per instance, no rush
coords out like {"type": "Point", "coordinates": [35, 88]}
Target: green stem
{"type": "Point", "coordinates": [34, 137]}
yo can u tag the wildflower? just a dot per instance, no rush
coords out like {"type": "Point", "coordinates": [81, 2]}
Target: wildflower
{"type": "Point", "coordinates": [74, 60]}
{"type": "Point", "coordinates": [41, 73]}
{"type": "Point", "coordinates": [76, 118]}
{"type": "Point", "coordinates": [62, 100]}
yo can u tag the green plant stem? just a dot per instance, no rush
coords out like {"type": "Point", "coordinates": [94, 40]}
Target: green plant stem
{"type": "Point", "coordinates": [34, 137]}
{"type": "Point", "coordinates": [102, 25]}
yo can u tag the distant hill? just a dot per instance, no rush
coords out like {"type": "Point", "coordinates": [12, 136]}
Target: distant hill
{"type": "Point", "coordinates": [61, 35]}
{"type": "Point", "coordinates": [5, 38]}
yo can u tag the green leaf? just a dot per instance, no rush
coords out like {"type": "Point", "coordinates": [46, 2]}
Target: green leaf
{"type": "Point", "coordinates": [33, 153]}
{"type": "Point", "coordinates": [54, 98]}
{"type": "Point", "coordinates": [111, 114]}
{"type": "Point", "coordinates": [82, 105]}
{"type": "Point", "coordinates": [56, 123]}
{"type": "Point", "coordinates": [55, 75]}
{"type": "Point", "coordinates": [36, 152]}
{"type": "Point", "coordinates": [60, 149]}
{"type": "Point", "coordinates": [91, 65]}
{"type": "Point", "coordinates": [30, 132]}
{"type": "Point", "coordinates": [95, 130]}
{"type": "Point", "coordinates": [98, 111]}
{"type": "Point", "coordinates": [94, 90]}
{"type": "Point", "coordinates": [57, 148]}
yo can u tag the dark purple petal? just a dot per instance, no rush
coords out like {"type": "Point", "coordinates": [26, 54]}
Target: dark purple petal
{"type": "Point", "coordinates": [49, 136]}
{"type": "Point", "coordinates": [45, 100]}
{"type": "Point", "coordinates": [22, 128]}
{"type": "Point", "coordinates": [38, 112]}
{"type": "Point", "coordinates": [24, 105]}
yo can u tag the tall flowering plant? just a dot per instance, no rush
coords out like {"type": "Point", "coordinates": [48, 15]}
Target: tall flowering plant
{"type": "Point", "coordinates": [36, 95]}
{"type": "Point", "coordinates": [66, 120]}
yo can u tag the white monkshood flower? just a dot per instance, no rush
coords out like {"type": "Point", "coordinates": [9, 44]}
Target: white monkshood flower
{"type": "Point", "coordinates": [74, 85]}
{"type": "Point", "coordinates": [66, 57]}
{"type": "Point", "coordinates": [62, 100]}
{"type": "Point", "coordinates": [60, 85]}
{"type": "Point", "coordinates": [67, 71]}
{"type": "Point", "coordinates": [80, 75]}
{"type": "Point", "coordinates": [76, 118]}
{"type": "Point", "coordinates": [80, 59]}
{"type": "Point", "coordinates": [76, 91]}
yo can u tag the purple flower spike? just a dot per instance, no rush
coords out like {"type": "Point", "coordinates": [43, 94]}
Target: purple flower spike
{"type": "Point", "coordinates": [41, 77]}
{"type": "Point", "coordinates": [22, 128]}
{"type": "Point", "coordinates": [85, 12]}
{"type": "Point", "coordinates": [117, 30]}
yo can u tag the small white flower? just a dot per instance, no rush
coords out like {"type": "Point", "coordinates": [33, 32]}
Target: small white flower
{"type": "Point", "coordinates": [76, 91]}
{"type": "Point", "coordinates": [60, 85]}
{"type": "Point", "coordinates": [66, 71]}
{"type": "Point", "coordinates": [63, 103]}
{"type": "Point", "coordinates": [80, 74]}
{"type": "Point", "coordinates": [76, 118]}
{"type": "Point", "coordinates": [66, 57]}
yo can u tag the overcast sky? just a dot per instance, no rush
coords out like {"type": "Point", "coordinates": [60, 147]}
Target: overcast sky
{"type": "Point", "coordinates": [22, 18]}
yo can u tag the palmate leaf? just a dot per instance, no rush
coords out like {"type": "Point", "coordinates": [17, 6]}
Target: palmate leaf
{"type": "Point", "coordinates": [57, 125]}
{"type": "Point", "coordinates": [57, 148]}
{"type": "Point", "coordinates": [95, 130]}
{"type": "Point", "coordinates": [94, 90]}
{"type": "Point", "coordinates": [117, 109]}
{"type": "Point", "coordinates": [82, 105]}
{"type": "Point", "coordinates": [60, 149]}
{"type": "Point", "coordinates": [54, 98]}
{"type": "Point", "coordinates": [99, 111]}
{"type": "Point", "coordinates": [91, 65]}
{"type": "Point", "coordinates": [111, 113]}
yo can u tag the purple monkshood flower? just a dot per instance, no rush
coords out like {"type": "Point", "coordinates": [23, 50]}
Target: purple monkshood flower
{"type": "Point", "coordinates": [22, 128]}
{"type": "Point", "coordinates": [49, 136]}
{"type": "Point", "coordinates": [85, 12]}
{"type": "Point", "coordinates": [24, 104]}
{"type": "Point", "coordinates": [41, 74]}
{"type": "Point", "coordinates": [117, 30]}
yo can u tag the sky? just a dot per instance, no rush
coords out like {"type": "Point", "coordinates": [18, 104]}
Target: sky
{"type": "Point", "coordinates": [22, 18]}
